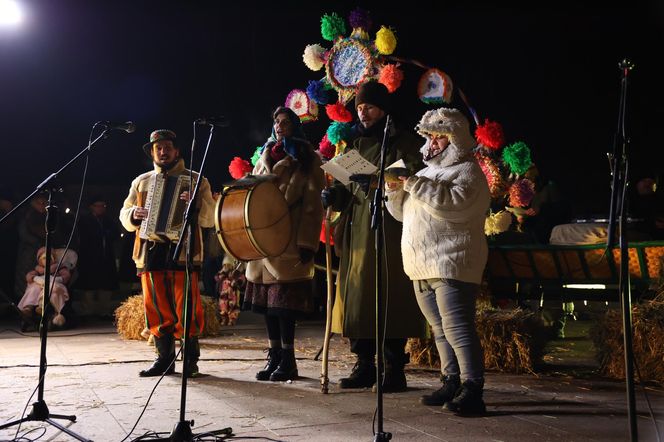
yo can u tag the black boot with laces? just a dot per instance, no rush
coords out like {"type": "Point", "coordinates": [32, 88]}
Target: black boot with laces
{"type": "Point", "coordinates": [446, 393]}
{"type": "Point", "coordinates": [362, 376]}
{"type": "Point", "coordinates": [468, 401]}
{"type": "Point", "coordinates": [273, 360]}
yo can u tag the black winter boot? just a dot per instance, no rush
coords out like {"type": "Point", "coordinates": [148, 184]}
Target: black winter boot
{"type": "Point", "coordinates": [446, 393]}
{"type": "Point", "coordinates": [287, 368]}
{"type": "Point", "coordinates": [273, 360]}
{"type": "Point", "coordinates": [194, 353]}
{"type": "Point", "coordinates": [394, 379]}
{"type": "Point", "coordinates": [362, 376]}
{"type": "Point", "coordinates": [468, 400]}
{"type": "Point", "coordinates": [163, 364]}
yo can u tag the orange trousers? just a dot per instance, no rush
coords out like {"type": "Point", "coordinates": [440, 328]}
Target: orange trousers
{"type": "Point", "coordinates": [163, 296]}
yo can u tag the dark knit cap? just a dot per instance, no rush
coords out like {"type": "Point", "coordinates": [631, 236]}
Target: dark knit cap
{"type": "Point", "coordinates": [158, 135]}
{"type": "Point", "coordinates": [373, 92]}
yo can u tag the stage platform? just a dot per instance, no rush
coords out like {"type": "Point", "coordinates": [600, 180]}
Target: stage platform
{"type": "Point", "coordinates": [93, 374]}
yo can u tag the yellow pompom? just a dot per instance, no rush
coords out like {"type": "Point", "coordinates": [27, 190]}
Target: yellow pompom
{"type": "Point", "coordinates": [497, 223]}
{"type": "Point", "coordinates": [386, 41]}
{"type": "Point", "coordinates": [314, 57]}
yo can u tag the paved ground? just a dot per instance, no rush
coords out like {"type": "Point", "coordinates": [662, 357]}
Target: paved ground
{"type": "Point", "coordinates": [92, 373]}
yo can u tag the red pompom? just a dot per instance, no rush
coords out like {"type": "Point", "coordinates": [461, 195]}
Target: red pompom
{"type": "Point", "coordinates": [338, 112]}
{"type": "Point", "coordinates": [391, 76]}
{"type": "Point", "coordinates": [326, 148]}
{"type": "Point", "coordinates": [490, 135]}
{"type": "Point", "coordinates": [239, 168]}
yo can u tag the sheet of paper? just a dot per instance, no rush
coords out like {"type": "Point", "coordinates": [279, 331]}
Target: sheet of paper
{"type": "Point", "coordinates": [398, 163]}
{"type": "Point", "coordinates": [350, 163]}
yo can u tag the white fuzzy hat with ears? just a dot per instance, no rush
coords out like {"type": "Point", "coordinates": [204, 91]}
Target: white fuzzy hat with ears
{"type": "Point", "coordinates": [449, 122]}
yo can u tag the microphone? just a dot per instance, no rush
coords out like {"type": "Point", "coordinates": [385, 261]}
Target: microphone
{"type": "Point", "coordinates": [214, 121]}
{"type": "Point", "coordinates": [127, 126]}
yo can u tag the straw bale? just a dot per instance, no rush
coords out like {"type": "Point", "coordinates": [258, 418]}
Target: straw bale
{"type": "Point", "coordinates": [648, 335]}
{"type": "Point", "coordinates": [130, 318]}
{"type": "Point", "coordinates": [513, 341]}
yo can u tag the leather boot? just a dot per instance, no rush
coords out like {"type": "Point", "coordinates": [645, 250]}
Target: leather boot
{"type": "Point", "coordinates": [451, 384]}
{"type": "Point", "coordinates": [394, 380]}
{"type": "Point", "coordinates": [287, 368]}
{"type": "Point", "coordinates": [194, 353]}
{"type": "Point", "coordinates": [273, 360]}
{"type": "Point", "coordinates": [362, 376]}
{"type": "Point", "coordinates": [468, 400]}
{"type": "Point", "coordinates": [163, 364]}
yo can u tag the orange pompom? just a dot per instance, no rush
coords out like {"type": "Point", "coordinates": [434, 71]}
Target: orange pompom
{"type": "Point", "coordinates": [391, 76]}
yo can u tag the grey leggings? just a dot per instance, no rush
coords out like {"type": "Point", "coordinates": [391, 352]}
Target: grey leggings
{"type": "Point", "coordinates": [449, 307]}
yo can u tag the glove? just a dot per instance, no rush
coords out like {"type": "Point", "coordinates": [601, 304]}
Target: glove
{"type": "Point", "coordinates": [328, 196]}
{"type": "Point", "coordinates": [306, 255]}
{"type": "Point", "coordinates": [362, 180]}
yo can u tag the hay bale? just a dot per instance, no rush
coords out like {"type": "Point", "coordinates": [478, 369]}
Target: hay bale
{"type": "Point", "coordinates": [130, 318]}
{"type": "Point", "coordinates": [513, 341]}
{"type": "Point", "coordinates": [648, 335]}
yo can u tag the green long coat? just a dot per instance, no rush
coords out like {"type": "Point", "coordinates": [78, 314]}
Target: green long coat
{"type": "Point", "coordinates": [354, 313]}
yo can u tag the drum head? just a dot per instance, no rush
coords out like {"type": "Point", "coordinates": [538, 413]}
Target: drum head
{"type": "Point", "coordinates": [268, 219]}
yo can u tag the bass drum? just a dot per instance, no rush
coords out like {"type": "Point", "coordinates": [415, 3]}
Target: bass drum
{"type": "Point", "coordinates": [252, 219]}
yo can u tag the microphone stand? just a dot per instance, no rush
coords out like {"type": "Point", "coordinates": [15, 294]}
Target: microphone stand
{"type": "Point", "coordinates": [618, 214]}
{"type": "Point", "coordinates": [182, 431]}
{"type": "Point", "coordinates": [40, 411]}
{"type": "Point", "coordinates": [377, 211]}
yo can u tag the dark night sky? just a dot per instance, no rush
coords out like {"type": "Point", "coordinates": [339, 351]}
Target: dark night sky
{"type": "Point", "coordinates": [549, 75]}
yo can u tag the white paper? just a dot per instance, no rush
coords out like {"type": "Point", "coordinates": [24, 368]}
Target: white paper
{"type": "Point", "coordinates": [350, 163]}
{"type": "Point", "coordinates": [398, 163]}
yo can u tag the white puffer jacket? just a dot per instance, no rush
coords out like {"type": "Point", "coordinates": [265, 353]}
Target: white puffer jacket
{"type": "Point", "coordinates": [443, 206]}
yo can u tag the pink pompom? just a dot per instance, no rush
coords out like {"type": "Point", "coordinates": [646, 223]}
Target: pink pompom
{"type": "Point", "coordinates": [239, 168]}
{"type": "Point", "coordinates": [522, 193]}
{"type": "Point", "coordinates": [490, 134]}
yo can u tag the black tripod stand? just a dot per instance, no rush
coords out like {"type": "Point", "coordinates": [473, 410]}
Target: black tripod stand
{"type": "Point", "coordinates": [40, 411]}
{"type": "Point", "coordinates": [377, 210]}
{"type": "Point", "coordinates": [618, 214]}
{"type": "Point", "coordinates": [182, 431]}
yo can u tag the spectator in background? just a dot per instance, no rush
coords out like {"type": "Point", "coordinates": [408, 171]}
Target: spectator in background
{"type": "Point", "coordinates": [8, 243]}
{"type": "Point", "coordinates": [98, 275]}
{"type": "Point", "coordinates": [31, 236]}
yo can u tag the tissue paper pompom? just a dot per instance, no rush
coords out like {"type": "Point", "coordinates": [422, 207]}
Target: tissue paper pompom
{"type": "Point", "coordinates": [497, 223]}
{"type": "Point", "coordinates": [314, 57]}
{"type": "Point", "coordinates": [391, 76]}
{"type": "Point", "coordinates": [332, 26]}
{"type": "Point", "coordinates": [239, 168]}
{"type": "Point", "coordinates": [317, 92]}
{"type": "Point", "coordinates": [521, 193]}
{"type": "Point", "coordinates": [359, 18]}
{"type": "Point", "coordinates": [327, 149]}
{"type": "Point", "coordinates": [338, 132]}
{"type": "Point", "coordinates": [517, 157]}
{"type": "Point", "coordinates": [257, 154]}
{"type": "Point", "coordinates": [490, 135]}
{"type": "Point", "coordinates": [386, 41]}
{"type": "Point", "coordinates": [338, 112]}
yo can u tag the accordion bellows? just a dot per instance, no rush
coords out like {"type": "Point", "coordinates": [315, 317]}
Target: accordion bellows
{"type": "Point", "coordinates": [165, 208]}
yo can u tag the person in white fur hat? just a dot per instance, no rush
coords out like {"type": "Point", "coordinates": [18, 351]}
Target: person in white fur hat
{"type": "Point", "coordinates": [443, 208]}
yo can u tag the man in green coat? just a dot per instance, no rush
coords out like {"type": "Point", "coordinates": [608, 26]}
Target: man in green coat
{"type": "Point", "coordinates": [355, 303]}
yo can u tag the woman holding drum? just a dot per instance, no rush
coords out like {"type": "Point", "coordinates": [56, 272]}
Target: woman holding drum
{"type": "Point", "coordinates": [279, 287]}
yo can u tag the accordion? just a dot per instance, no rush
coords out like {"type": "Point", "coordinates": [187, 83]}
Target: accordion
{"type": "Point", "coordinates": [165, 208]}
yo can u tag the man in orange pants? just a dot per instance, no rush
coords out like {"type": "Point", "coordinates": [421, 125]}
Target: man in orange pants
{"type": "Point", "coordinates": [164, 281]}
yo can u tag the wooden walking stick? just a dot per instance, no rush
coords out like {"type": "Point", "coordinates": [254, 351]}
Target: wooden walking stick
{"type": "Point", "coordinates": [324, 381]}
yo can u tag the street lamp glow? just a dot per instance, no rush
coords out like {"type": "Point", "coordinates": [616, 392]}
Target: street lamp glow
{"type": "Point", "coordinates": [10, 13]}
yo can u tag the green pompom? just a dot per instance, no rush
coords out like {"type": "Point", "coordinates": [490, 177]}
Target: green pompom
{"type": "Point", "coordinates": [517, 157]}
{"type": "Point", "coordinates": [338, 132]}
{"type": "Point", "coordinates": [257, 155]}
{"type": "Point", "coordinates": [332, 26]}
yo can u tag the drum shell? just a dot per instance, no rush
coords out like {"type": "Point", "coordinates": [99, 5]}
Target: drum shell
{"type": "Point", "coordinates": [253, 222]}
